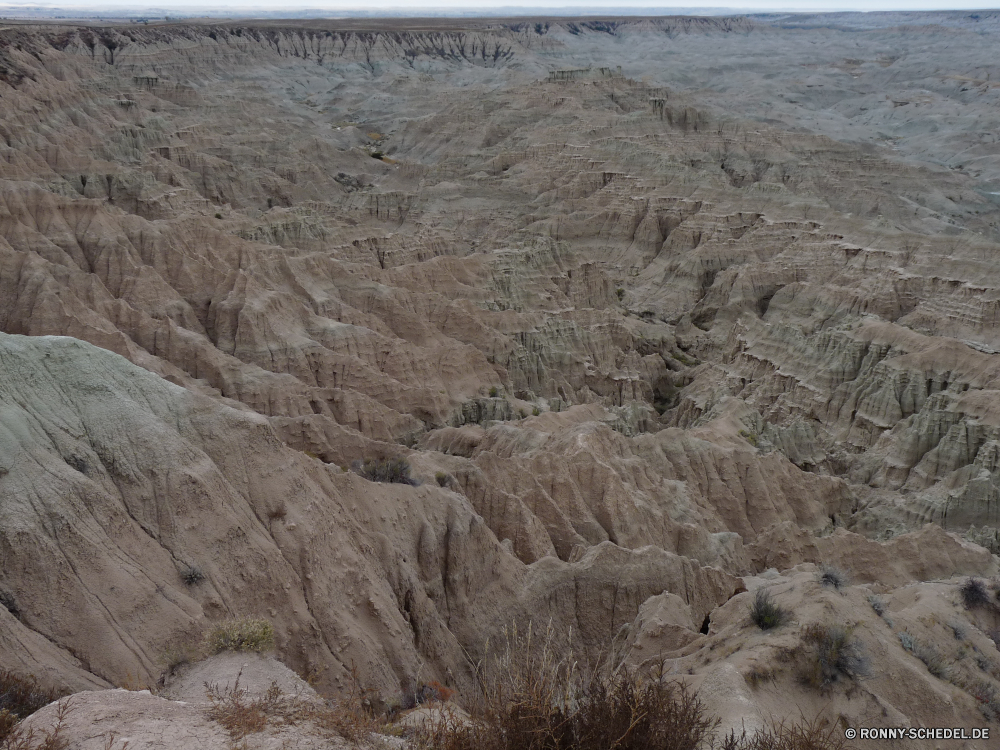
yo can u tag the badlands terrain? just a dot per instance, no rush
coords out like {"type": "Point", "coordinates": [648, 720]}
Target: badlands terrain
{"type": "Point", "coordinates": [658, 311]}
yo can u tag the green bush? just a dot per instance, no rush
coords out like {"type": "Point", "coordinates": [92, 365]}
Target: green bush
{"type": "Point", "coordinates": [494, 392]}
{"type": "Point", "coordinates": [244, 634]}
{"type": "Point", "coordinates": [765, 612]}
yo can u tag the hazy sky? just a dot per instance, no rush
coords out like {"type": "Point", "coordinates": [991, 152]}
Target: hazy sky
{"type": "Point", "coordinates": [411, 5]}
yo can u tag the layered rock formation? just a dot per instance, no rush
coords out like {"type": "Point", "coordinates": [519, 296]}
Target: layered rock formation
{"type": "Point", "coordinates": [640, 336]}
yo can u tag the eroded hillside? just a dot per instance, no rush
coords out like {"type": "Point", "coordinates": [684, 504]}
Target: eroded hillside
{"type": "Point", "coordinates": [656, 310]}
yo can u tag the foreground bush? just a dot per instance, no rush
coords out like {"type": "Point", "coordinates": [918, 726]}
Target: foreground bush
{"type": "Point", "coordinates": [814, 735]}
{"type": "Point", "coordinates": [533, 701]}
{"type": "Point", "coordinates": [19, 698]}
{"type": "Point", "coordinates": [245, 634]}
{"type": "Point", "coordinates": [19, 738]}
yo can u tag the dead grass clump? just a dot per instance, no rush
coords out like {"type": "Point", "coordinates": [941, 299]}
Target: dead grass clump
{"type": "Point", "coordinates": [830, 652]}
{"type": "Point", "coordinates": [533, 700]}
{"type": "Point", "coordinates": [758, 675]}
{"type": "Point", "coordinates": [244, 634]}
{"type": "Point", "coordinates": [356, 715]}
{"type": "Point", "coordinates": [237, 712]}
{"type": "Point", "coordinates": [241, 714]}
{"type": "Point", "coordinates": [434, 692]}
{"type": "Point", "coordinates": [818, 734]}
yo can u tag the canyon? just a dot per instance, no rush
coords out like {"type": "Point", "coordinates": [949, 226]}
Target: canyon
{"type": "Point", "coordinates": [658, 311]}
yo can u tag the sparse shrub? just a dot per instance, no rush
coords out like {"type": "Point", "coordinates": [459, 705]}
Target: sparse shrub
{"type": "Point", "coordinates": [433, 692]}
{"type": "Point", "coordinates": [237, 712]}
{"type": "Point", "coordinates": [908, 641]}
{"type": "Point", "coordinates": [958, 628]}
{"type": "Point", "coordinates": [974, 594]}
{"type": "Point", "coordinates": [174, 658]}
{"type": "Point", "coordinates": [624, 711]}
{"type": "Point", "coordinates": [23, 695]}
{"type": "Point", "coordinates": [15, 737]}
{"type": "Point", "coordinates": [621, 293]}
{"type": "Point", "coordinates": [830, 652]}
{"type": "Point", "coordinates": [242, 714]}
{"type": "Point", "coordinates": [358, 713]}
{"type": "Point", "coordinates": [758, 675]}
{"type": "Point", "coordinates": [493, 392]}
{"type": "Point", "coordinates": [390, 470]}
{"type": "Point", "coordinates": [442, 478]}
{"type": "Point", "coordinates": [245, 634]}
{"type": "Point", "coordinates": [878, 604]}
{"type": "Point", "coordinates": [986, 695]}
{"type": "Point", "coordinates": [932, 659]}
{"type": "Point", "coordinates": [535, 411]}
{"type": "Point", "coordinates": [831, 576]}
{"type": "Point", "coordinates": [818, 734]}
{"type": "Point", "coordinates": [192, 575]}
{"type": "Point", "coordinates": [765, 612]}
{"type": "Point", "coordinates": [929, 655]}
{"type": "Point", "coordinates": [532, 700]}
{"type": "Point", "coordinates": [20, 696]}
{"type": "Point", "coordinates": [7, 723]}
{"type": "Point", "coordinates": [218, 215]}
